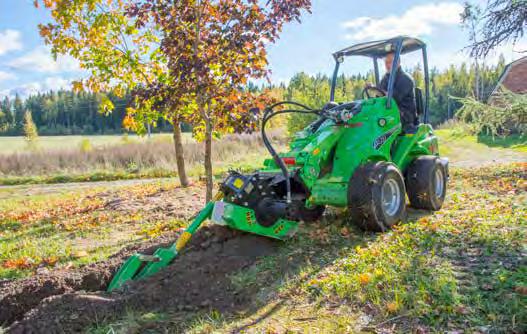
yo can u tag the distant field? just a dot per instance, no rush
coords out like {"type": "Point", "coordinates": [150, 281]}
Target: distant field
{"type": "Point", "coordinates": [70, 159]}
{"type": "Point", "coordinates": [132, 158]}
{"type": "Point", "coordinates": [18, 144]}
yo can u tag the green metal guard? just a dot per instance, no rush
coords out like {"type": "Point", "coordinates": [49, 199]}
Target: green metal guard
{"type": "Point", "coordinates": [244, 219]}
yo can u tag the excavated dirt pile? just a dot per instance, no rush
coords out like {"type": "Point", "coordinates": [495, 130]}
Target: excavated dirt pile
{"type": "Point", "coordinates": [18, 296]}
{"type": "Point", "coordinates": [70, 300]}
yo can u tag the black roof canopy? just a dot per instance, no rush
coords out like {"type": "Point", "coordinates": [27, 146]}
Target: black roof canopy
{"type": "Point", "coordinates": [379, 49]}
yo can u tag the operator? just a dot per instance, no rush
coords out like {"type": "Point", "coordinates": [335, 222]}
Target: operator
{"type": "Point", "coordinates": [403, 93]}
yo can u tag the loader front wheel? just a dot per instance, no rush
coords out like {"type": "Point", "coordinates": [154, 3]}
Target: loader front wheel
{"type": "Point", "coordinates": [376, 196]}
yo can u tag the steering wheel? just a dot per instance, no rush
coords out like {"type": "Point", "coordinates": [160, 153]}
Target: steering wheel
{"type": "Point", "coordinates": [365, 92]}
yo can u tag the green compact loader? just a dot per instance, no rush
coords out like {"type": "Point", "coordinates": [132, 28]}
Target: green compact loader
{"type": "Point", "coordinates": [354, 155]}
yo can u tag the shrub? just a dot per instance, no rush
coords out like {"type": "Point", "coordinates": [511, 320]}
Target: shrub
{"type": "Point", "coordinates": [507, 115]}
{"type": "Point", "coordinates": [85, 145]}
{"type": "Point", "coordinates": [30, 131]}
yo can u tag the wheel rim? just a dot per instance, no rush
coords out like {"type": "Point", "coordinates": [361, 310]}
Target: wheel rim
{"type": "Point", "coordinates": [391, 197]}
{"type": "Point", "coordinates": [439, 184]}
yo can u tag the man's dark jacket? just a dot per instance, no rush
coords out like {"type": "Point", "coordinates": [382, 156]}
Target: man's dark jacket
{"type": "Point", "coordinates": [404, 95]}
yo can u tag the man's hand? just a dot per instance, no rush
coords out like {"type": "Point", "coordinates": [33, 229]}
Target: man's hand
{"type": "Point", "coordinates": [370, 85]}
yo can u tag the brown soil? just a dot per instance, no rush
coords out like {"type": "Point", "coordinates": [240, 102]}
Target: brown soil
{"type": "Point", "coordinates": [70, 300]}
{"type": "Point", "coordinates": [18, 296]}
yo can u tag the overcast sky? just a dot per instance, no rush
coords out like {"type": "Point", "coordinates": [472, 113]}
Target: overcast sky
{"type": "Point", "coordinates": [26, 65]}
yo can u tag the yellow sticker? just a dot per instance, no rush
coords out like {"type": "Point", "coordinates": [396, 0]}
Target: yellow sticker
{"type": "Point", "coordinates": [238, 183]}
{"type": "Point", "coordinates": [316, 151]}
{"type": "Point", "coordinates": [219, 196]}
{"type": "Point", "coordinates": [182, 240]}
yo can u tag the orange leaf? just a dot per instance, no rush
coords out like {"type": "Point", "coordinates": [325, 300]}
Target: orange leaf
{"type": "Point", "coordinates": [50, 261]}
{"type": "Point", "coordinates": [20, 263]}
{"type": "Point", "coordinates": [392, 307]}
{"type": "Point", "coordinates": [364, 278]}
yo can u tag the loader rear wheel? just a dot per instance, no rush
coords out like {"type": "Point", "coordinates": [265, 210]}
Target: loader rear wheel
{"type": "Point", "coordinates": [376, 196]}
{"type": "Point", "coordinates": [426, 180]}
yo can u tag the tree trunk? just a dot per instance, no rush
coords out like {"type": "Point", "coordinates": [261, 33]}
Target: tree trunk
{"type": "Point", "coordinates": [208, 158]}
{"type": "Point", "coordinates": [477, 84]}
{"type": "Point", "coordinates": [204, 115]}
{"type": "Point", "coordinates": [180, 155]}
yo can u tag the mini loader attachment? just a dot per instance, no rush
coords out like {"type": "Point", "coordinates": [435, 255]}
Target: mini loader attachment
{"type": "Point", "coordinates": [355, 155]}
{"type": "Point", "coordinates": [222, 213]}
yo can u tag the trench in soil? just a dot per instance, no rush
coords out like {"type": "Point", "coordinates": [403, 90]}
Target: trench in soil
{"type": "Point", "coordinates": [70, 300]}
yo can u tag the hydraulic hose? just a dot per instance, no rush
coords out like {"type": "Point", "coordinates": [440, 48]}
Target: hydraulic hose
{"type": "Point", "coordinates": [268, 114]}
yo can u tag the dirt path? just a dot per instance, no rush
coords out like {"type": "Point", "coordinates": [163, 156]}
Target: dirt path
{"type": "Point", "coordinates": [28, 190]}
{"type": "Point", "coordinates": [465, 157]}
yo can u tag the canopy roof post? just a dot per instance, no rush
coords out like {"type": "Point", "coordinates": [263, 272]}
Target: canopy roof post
{"type": "Point", "coordinates": [334, 80]}
{"type": "Point", "coordinates": [427, 86]}
{"type": "Point", "coordinates": [376, 69]}
{"type": "Point", "coordinates": [391, 81]}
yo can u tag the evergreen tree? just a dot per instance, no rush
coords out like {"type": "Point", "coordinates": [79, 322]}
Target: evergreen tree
{"type": "Point", "coordinates": [30, 130]}
{"type": "Point", "coordinates": [19, 111]}
{"type": "Point", "coordinates": [67, 112]}
{"type": "Point", "coordinates": [6, 110]}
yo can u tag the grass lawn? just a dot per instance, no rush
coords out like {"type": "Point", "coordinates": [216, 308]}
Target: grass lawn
{"type": "Point", "coordinates": [515, 142]}
{"type": "Point", "coordinates": [460, 269]}
{"type": "Point", "coordinates": [469, 151]}
{"type": "Point", "coordinates": [73, 227]}
{"type": "Point", "coordinates": [58, 224]}
{"type": "Point", "coordinates": [481, 142]}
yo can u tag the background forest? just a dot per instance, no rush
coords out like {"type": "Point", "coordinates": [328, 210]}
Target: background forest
{"type": "Point", "coordinates": [67, 112]}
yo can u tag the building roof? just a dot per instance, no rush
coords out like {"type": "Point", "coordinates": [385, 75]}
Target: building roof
{"type": "Point", "coordinates": [513, 77]}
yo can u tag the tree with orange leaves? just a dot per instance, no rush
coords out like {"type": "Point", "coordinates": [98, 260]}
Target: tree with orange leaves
{"type": "Point", "coordinates": [185, 60]}
{"type": "Point", "coordinates": [213, 47]}
{"type": "Point", "coordinates": [117, 56]}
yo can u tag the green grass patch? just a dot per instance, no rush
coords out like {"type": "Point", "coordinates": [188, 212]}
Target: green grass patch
{"type": "Point", "coordinates": [515, 142]}
{"type": "Point", "coordinates": [460, 136]}
{"type": "Point", "coordinates": [462, 268]}
{"type": "Point", "coordinates": [73, 228]}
